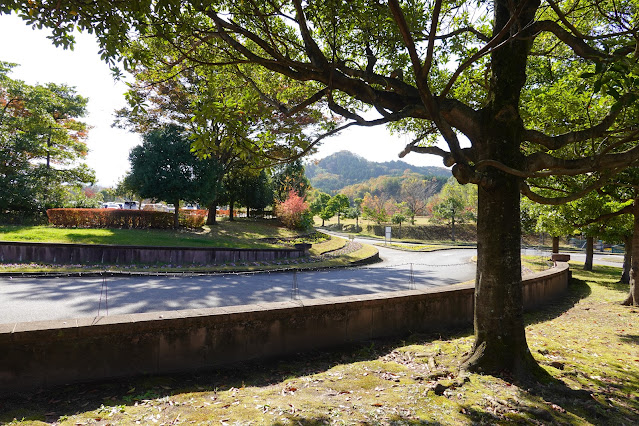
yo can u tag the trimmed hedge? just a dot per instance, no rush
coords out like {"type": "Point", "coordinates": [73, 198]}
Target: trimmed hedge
{"type": "Point", "coordinates": [122, 218]}
{"type": "Point", "coordinates": [193, 218]}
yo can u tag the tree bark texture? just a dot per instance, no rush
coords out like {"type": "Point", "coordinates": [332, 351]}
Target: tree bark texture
{"type": "Point", "coordinates": [627, 259]}
{"type": "Point", "coordinates": [500, 338]}
{"type": "Point", "coordinates": [231, 205]}
{"type": "Point", "coordinates": [555, 244]}
{"type": "Point", "coordinates": [211, 218]}
{"type": "Point", "coordinates": [633, 292]}
{"type": "Point", "coordinates": [590, 248]}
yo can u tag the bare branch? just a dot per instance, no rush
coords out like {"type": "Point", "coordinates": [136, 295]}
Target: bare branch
{"type": "Point", "coordinates": [433, 150]}
{"type": "Point", "coordinates": [604, 217]}
{"type": "Point", "coordinates": [544, 161]}
{"type": "Point", "coordinates": [428, 100]}
{"type": "Point", "coordinates": [431, 40]}
{"type": "Point", "coordinates": [400, 20]}
{"type": "Point", "coordinates": [564, 20]}
{"type": "Point", "coordinates": [481, 36]}
{"type": "Point", "coordinates": [578, 45]}
{"type": "Point", "coordinates": [525, 190]}
{"type": "Point", "coordinates": [311, 100]}
{"type": "Point", "coordinates": [559, 141]}
{"type": "Point", "coordinates": [312, 49]}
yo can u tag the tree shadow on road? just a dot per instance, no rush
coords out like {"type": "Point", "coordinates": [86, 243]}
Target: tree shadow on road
{"type": "Point", "coordinates": [549, 400]}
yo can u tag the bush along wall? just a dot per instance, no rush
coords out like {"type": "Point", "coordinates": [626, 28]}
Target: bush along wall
{"type": "Point", "coordinates": [114, 218]}
{"type": "Point", "coordinates": [465, 232]}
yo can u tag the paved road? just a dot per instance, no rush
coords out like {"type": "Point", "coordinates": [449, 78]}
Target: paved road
{"type": "Point", "coordinates": [597, 258]}
{"type": "Point", "coordinates": [34, 299]}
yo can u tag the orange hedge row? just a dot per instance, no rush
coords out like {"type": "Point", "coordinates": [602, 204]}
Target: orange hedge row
{"type": "Point", "coordinates": [193, 218]}
{"type": "Point", "coordinates": [122, 218]}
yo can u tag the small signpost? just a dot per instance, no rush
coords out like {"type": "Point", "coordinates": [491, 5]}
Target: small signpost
{"type": "Point", "coordinates": [387, 235]}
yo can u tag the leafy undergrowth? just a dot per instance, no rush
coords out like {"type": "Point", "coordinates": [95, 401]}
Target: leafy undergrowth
{"type": "Point", "coordinates": [586, 343]}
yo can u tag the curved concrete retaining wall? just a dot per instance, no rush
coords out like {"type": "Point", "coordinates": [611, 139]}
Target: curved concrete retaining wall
{"type": "Point", "coordinates": [50, 353]}
{"type": "Point", "coordinates": [111, 254]}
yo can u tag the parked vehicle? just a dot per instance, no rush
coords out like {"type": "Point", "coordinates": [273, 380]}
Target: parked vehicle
{"type": "Point", "coordinates": [130, 205]}
{"type": "Point", "coordinates": [111, 205]}
{"type": "Point", "coordinates": [157, 207]}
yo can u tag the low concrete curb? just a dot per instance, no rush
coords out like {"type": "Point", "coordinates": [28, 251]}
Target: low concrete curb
{"type": "Point", "coordinates": [50, 353]}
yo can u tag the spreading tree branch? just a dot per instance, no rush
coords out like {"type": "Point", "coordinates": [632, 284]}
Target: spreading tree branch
{"type": "Point", "coordinates": [525, 190]}
{"type": "Point", "coordinates": [559, 141]}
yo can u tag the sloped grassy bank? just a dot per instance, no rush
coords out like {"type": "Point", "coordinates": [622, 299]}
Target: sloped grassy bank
{"type": "Point", "coordinates": [241, 233]}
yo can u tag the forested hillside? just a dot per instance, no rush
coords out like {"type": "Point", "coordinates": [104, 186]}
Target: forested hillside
{"type": "Point", "coordinates": [390, 186]}
{"type": "Point", "coordinates": [344, 168]}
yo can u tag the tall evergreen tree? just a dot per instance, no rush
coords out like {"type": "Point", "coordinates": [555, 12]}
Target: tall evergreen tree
{"type": "Point", "coordinates": [163, 168]}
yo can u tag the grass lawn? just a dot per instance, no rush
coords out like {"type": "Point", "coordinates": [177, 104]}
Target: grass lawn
{"type": "Point", "coordinates": [240, 233]}
{"type": "Point", "coordinates": [587, 344]}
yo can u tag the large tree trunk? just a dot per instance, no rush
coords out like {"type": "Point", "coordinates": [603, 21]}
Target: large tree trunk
{"type": "Point", "coordinates": [231, 205]}
{"type": "Point", "coordinates": [633, 293]}
{"type": "Point", "coordinates": [590, 245]}
{"type": "Point", "coordinates": [555, 244]}
{"type": "Point", "coordinates": [211, 218]}
{"type": "Point", "coordinates": [627, 259]}
{"type": "Point", "coordinates": [500, 339]}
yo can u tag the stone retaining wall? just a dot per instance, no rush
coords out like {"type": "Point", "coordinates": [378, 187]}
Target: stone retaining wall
{"type": "Point", "coordinates": [48, 353]}
{"type": "Point", "coordinates": [111, 254]}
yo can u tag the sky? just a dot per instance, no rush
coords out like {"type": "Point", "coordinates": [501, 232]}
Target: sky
{"type": "Point", "coordinates": [41, 62]}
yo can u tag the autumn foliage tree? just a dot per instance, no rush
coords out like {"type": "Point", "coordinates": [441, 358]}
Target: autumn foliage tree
{"type": "Point", "coordinates": [42, 143]}
{"type": "Point", "coordinates": [163, 168]}
{"type": "Point", "coordinates": [294, 212]}
{"type": "Point", "coordinates": [415, 193]}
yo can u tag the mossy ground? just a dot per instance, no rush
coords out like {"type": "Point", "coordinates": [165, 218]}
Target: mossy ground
{"type": "Point", "coordinates": [587, 344]}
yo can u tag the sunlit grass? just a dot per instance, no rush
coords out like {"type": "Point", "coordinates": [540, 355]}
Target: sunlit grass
{"type": "Point", "coordinates": [241, 233]}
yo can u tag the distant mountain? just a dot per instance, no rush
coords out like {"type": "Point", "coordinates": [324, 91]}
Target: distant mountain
{"type": "Point", "coordinates": [344, 168]}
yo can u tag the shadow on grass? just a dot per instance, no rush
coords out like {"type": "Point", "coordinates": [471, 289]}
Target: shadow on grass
{"type": "Point", "coordinates": [606, 276]}
{"type": "Point", "coordinates": [577, 290]}
{"type": "Point", "coordinates": [546, 401]}
{"type": "Point", "coordinates": [50, 404]}
{"type": "Point", "coordinates": [630, 338]}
